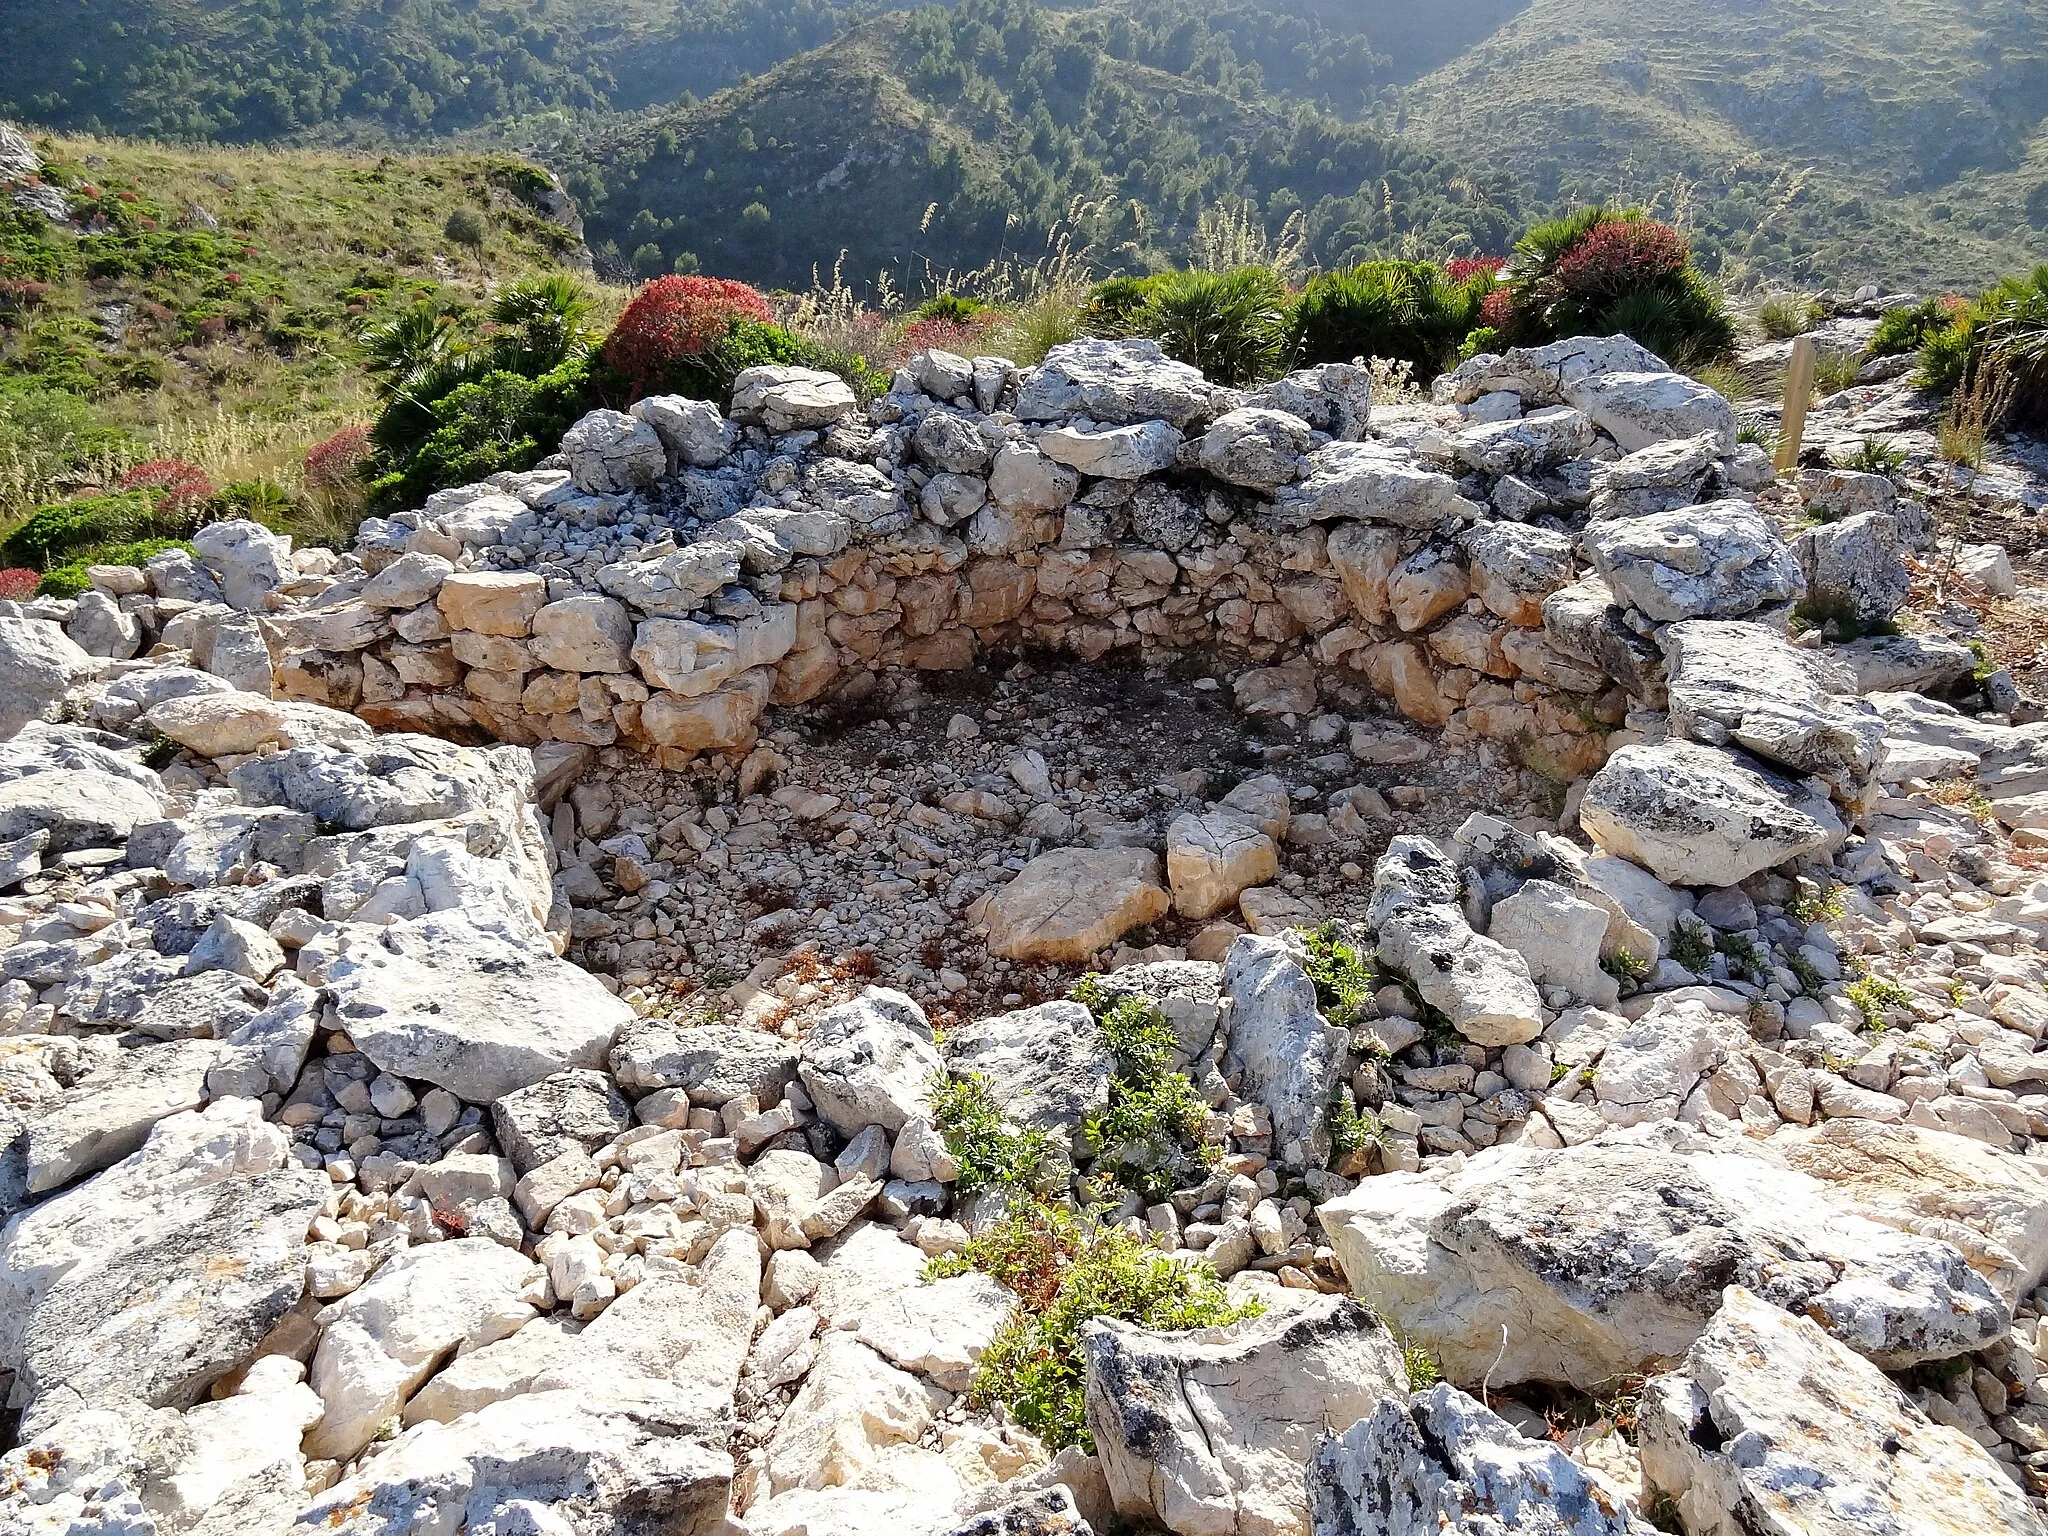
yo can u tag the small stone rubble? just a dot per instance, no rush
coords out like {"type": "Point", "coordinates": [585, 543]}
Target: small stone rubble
{"type": "Point", "coordinates": [470, 1006]}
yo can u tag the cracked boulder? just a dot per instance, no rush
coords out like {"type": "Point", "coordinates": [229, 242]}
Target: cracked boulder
{"type": "Point", "coordinates": [1719, 560]}
{"type": "Point", "coordinates": [1443, 1464]}
{"type": "Point", "coordinates": [1608, 1259]}
{"type": "Point", "coordinates": [1771, 1425]}
{"type": "Point", "coordinates": [1208, 1432]}
{"type": "Point", "coordinates": [1694, 815]}
{"type": "Point", "coordinates": [1047, 1065]}
{"type": "Point", "coordinates": [1293, 1061]}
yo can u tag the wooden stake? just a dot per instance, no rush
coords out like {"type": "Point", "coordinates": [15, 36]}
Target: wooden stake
{"type": "Point", "coordinates": [1798, 392]}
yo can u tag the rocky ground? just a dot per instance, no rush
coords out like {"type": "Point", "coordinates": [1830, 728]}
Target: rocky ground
{"type": "Point", "coordinates": [401, 1134]}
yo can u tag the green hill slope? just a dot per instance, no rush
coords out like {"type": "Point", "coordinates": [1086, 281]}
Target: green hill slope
{"type": "Point", "coordinates": [1894, 141]}
{"type": "Point", "coordinates": [949, 137]}
{"type": "Point", "coordinates": [206, 302]}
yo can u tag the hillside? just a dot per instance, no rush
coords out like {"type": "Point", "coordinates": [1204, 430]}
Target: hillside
{"type": "Point", "coordinates": [1842, 141]}
{"type": "Point", "coordinates": [205, 302]}
{"type": "Point", "coordinates": [939, 141]}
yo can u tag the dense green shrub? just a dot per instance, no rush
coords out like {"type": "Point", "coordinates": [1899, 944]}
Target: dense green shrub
{"type": "Point", "coordinates": [1067, 1270]}
{"type": "Point", "coordinates": [1998, 343]}
{"type": "Point", "coordinates": [1405, 311]}
{"type": "Point", "coordinates": [1906, 327]}
{"type": "Point", "coordinates": [53, 532]}
{"type": "Point", "coordinates": [1232, 325]}
{"type": "Point", "coordinates": [1149, 1136]}
{"type": "Point", "coordinates": [69, 579]}
{"type": "Point", "coordinates": [500, 421]}
{"type": "Point", "coordinates": [991, 1152]}
{"type": "Point", "coordinates": [1598, 271]}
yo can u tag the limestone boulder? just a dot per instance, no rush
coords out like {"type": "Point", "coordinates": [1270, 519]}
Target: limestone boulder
{"type": "Point", "coordinates": [1719, 560]}
{"type": "Point", "coordinates": [578, 1110]}
{"type": "Point", "coordinates": [161, 1275]}
{"type": "Point", "coordinates": [1115, 453]}
{"type": "Point", "coordinates": [1855, 568]}
{"type": "Point", "coordinates": [247, 559]}
{"type": "Point", "coordinates": [1373, 482]}
{"type": "Point", "coordinates": [1608, 1258]}
{"type": "Point", "coordinates": [611, 453]}
{"type": "Point", "coordinates": [870, 1062]}
{"type": "Point", "coordinates": [1293, 1060]}
{"type": "Point", "coordinates": [1047, 1065]}
{"type": "Point", "coordinates": [1213, 856]}
{"type": "Point", "coordinates": [1745, 684]}
{"type": "Point", "coordinates": [1637, 409]}
{"type": "Point", "coordinates": [1481, 985]}
{"type": "Point", "coordinates": [442, 1000]}
{"type": "Point", "coordinates": [1770, 1424]}
{"type": "Point", "coordinates": [709, 1066]}
{"type": "Point", "coordinates": [38, 664]}
{"type": "Point", "coordinates": [79, 808]}
{"type": "Point", "coordinates": [493, 602]}
{"type": "Point", "coordinates": [783, 399]}
{"type": "Point", "coordinates": [1443, 1464]}
{"type": "Point", "coordinates": [938, 1330]}
{"type": "Point", "coordinates": [1117, 382]}
{"type": "Point", "coordinates": [1694, 815]}
{"type": "Point", "coordinates": [1335, 398]}
{"type": "Point", "coordinates": [1559, 936]}
{"type": "Point", "coordinates": [1209, 1432]}
{"type": "Point", "coordinates": [1256, 447]}
{"type": "Point", "coordinates": [694, 432]}
{"type": "Point", "coordinates": [1066, 904]}
{"type": "Point", "coordinates": [676, 584]}
{"type": "Point", "coordinates": [584, 633]}
{"type": "Point", "coordinates": [382, 1341]}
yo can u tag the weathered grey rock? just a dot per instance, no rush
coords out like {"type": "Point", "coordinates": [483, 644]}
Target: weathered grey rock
{"type": "Point", "coordinates": [611, 453]}
{"type": "Point", "coordinates": [673, 585]}
{"type": "Point", "coordinates": [1521, 446]}
{"type": "Point", "coordinates": [589, 1460]}
{"type": "Point", "coordinates": [81, 808]}
{"type": "Point", "coordinates": [1128, 452]}
{"type": "Point", "coordinates": [1608, 1258]}
{"type": "Point", "coordinates": [240, 948]}
{"type": "Point", "coordinates": [1066, 904]}
{"type": "Point", "coordinates": [1292, 1059]}
{"type": "Point", "coordinates": [1584, 621]}
{"type": "Point", "coordinates": [578, 1110]}
{"type": "Point", "coordinates": [1694, 815]}
{"type": "Point", "coordinates": [780, 400]}
{"type": "Point", "coordinates": [694, 432]}
{"type": "Point", "coordinates": [1720, 560]}
{"type": "Point", "coordinates": [1482, 986]}
{"type": "Point", "coordinates": [1658, 478]}
{"type": "Point", "coordinates": [1255, 446]}
{"type": "Point", "coordinates": [1373, 482]}
{"type": "Point", "coordinates": [248, 560]}
{"type": "Point", "coordinates": [1188, 993]}
{"type": "Point", "coordinates": [940, 1329]}
{"type": "Point", "coordinates": [1048, 1511]}
{"type": "Point", "coordinates": [1906, 663]}
{"type": "Point", "coordinates": [1637, 409]}
{"type": "Point", "coordinates": [941, 374]}
{"type": "Point", "coordinates": [1745, 684]}
{"type": "Point", "coordinates": [1023, 480]}
{"type": "Point", "coordinates": [1854, 568]}
{"type": "Point", "coordinates": [1515, 566]}
{"type": "Point", "coordinates": [860, 493]}
{"type": "Point", "coordinates": [951, 443]}
{"type": "Point", "coordinates": [1559, 937]}
{"type": "Point", "coordinates": [709, 1066]}
{"type": "Point", "coordinates": [1773, 1426]}
{"type": "Point", "coordinates": [102, 627]}
{"type": "Point", "coordinates": [408, 581]}
{"type": "Point", "coordinates": [1443, 1464]}
{"type": "Point", "coordinates": [1539, 374]}
{"type": "Point", "coordinates": [439, 999]}
{"type": "Point", "coordinates": [1846, 493]}
{"type": "Point", "coordinates": [870, 1062]}
{"type": "Point", "coordinates": [381, 1342]}
{"type": "Point", "coordinates": [161, 1275]}
{"type": "Point", "coordinates": [1047, 1065]}
{"type": "Point", "coordinates": [1208, 1432]}
{"type": "Point", "coordinates": [1118, 382]}
{"type": "Point", "coordinates": [113, 1108]}
{"type": "Point", "coordinates": [1332, 397]}
{"type": "Point", "coordinates": [38, 663]}
{"type": "Point", "coordinates": [583, 633]}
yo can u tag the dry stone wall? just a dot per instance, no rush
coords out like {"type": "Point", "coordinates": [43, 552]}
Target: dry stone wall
{"type": "Point", "coordinates": [1494, 563]}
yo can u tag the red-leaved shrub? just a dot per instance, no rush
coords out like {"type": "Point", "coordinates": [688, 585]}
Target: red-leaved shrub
{"type": "Point", "coordinates": [18, 585]}
{"type": "Point", "coordinates": [183, 485]}
{"type": "Point", "coordinates": [1497, 309]}
{"type": "Point", "coordinates": [674, 318]}
{"type": "Point", "coordinates": [947, 334]}
{"type": "Point", "coordinates": [1618, 256]}
{"type": "Point", "coordinates": [1463, 269]}
{"type": "Point", "coordinates": [333, 461]}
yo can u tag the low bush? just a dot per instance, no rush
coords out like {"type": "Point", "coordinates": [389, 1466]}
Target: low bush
{"type": "Point", "coordinates": [53, 532]}
{"type": "Point", "coordinates": [1404, 311]}
{"type": "Point", "coordinates": [1906, 328]}
{"type": "Point", "coordinates": [69, 579]}
{"type": "Point", "coordinates": [1067, 1270]}
{"type": "Point", "coordinates": [1149, 1136]}
{"type": "Point", "coordinates": [1788, 315]}
{"type": "Point", "coordinates": [656, 344]}
{"type": "Point", "coordinates": [502, 421]}
{"type": "Point", "coordinates": [1995, 347]}
{"type": "Point", "coordinates": [181, 486]}
{"type": "Point", "coordinates": [992, 1153]}
{"type": "Point", "coordinates": [1598, 271]}
{"type": "Point", "coordinates": [1232, 325]}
